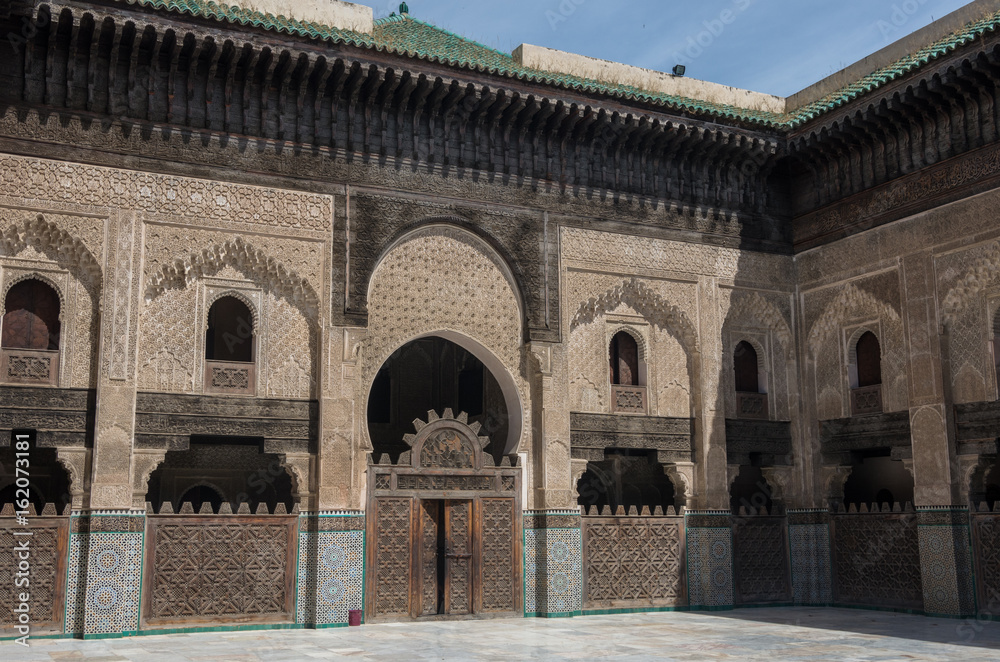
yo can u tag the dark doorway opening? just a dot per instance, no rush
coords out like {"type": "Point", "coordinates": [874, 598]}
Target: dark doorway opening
{"type": "Point", "coordinates": [434, 373]}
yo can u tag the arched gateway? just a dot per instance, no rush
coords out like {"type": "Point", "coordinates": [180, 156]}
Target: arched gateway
{"type": "Point", "coordinates": [445, 523]}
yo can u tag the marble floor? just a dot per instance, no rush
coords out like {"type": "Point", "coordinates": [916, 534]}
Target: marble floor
{"type": "Point", "coordinates": [744, 634]}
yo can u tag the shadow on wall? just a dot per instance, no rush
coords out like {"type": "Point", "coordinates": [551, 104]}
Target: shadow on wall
{"type": "Point", "coordinates": [878, 479]}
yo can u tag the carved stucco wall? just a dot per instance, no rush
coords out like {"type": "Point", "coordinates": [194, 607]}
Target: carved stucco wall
{"type": "Point", "coordinates": [655, 282]}
{"type": "Point", "coordinates": [64, 251]}
{"type": "Point", "coordinates": [621, 304]}
{"type": "Point", "coordinates": [969, 286]}
{"type": "Point", "coordinates": [440, 278]}
{"type": "Point", "coordinates": [100, 224]}
{"type": "Point", "coordinates": [764, 320]}
{"type": "Point", "coordinates": [678, 295]}
{"type": "Point", "coordinates": [833, 316]}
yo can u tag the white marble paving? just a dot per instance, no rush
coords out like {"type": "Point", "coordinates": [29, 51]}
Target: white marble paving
{"type": "Point", "coordinates": [744, 634]}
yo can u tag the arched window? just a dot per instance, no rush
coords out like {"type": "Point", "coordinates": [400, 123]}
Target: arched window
{"type": "Point", "coordinates": [230, 334]}
{"type": "Point", "coordinates": [869, 360]}
{"type": "Point", "coordinates": [624, 360]}
{"type": "Point", "coordinates": [745, 362]}
{"type": "Point", "coordinates": [230, 349]}
{"type": "Point", "coordinates": [31, 316]}
{"type": "Point", "coordinates": [30, 342]}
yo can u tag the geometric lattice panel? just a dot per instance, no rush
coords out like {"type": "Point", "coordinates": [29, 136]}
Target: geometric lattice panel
{"type": "Point", "coordinates": [553, 571]}
{"type": "Point", "coordinates": [497, 554]}
{"type": "Point", "coordinates": [710, 567]}
{"type": "Point", "coordinates": [392, 556]}
{"type": "Point", "coordinates": [564, 571]}
{"type": "Point", "coordinates": [46, 568]}
{"type": "Point", "coordinates": [809, 548]}
{"type": "Point", "coordinates": [534, 569]}
{"type": "Point", "coordinates": [877, 560]}
{"type": "Point", "coordinates": [633, 561]}
{"type": "Point", "coordinates": [233, 568]}
{"type": "Point", "coordinates": [114, 573]}
{"type": "Point", "coordinates": [76, 586]}
{"type": "Point", "coordinates": [987, 551]}
{"type": "Point", "coordinates": [941, 550]}
{"type": "Point", "coordinates": [761, 561]}
{"type": "Point", "coordinates": [330, 575]}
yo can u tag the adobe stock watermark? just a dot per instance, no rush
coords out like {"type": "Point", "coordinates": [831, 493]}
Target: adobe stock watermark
{"type": "Point", "coordinates": [900, 15]}
{"type": "Point", "coordinates": [696, 44]}
{"type": "Point", "coordinates": [21, 573]}
{"type": "Point", "coordinates": [562, 12]}
{"type": "Point", "coordinates": [29, 29]}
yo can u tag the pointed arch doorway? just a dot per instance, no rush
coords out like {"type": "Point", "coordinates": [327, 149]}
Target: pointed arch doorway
{"type": "Point", "coordinates": [444, 501]}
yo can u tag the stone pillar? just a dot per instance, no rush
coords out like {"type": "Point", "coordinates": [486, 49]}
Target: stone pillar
{"type": "Point", "coordinates": [712, 487]}
{"type": "Point", "coordinates": [553, 563]}
{"type": "Point", "coordinates": [945, 557]}
{"type": "Point", "coordinates": [551, 430]}
{"type": "Point", "coordinates": [330, 578]}
{"type": "Point", "coordinates": [709, 559]}
{"type": "Point", "coordinates": [342, 460]}
{"type": "Point", "coordinates": [811, 559]}
{"type": "Point", "coordinates": [106, 537]}
{"type": "Point", "coordinates": [111, 481]}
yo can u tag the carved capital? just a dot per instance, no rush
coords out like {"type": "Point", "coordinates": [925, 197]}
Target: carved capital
{"type": "Point", "coordinates": [144, 463]}
{"type": "Point", "coordinates": [778, 478]}
{"type": "Point", "coordinates": [681, 474]}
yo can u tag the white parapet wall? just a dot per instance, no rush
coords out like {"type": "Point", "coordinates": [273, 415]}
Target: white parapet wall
{"type": "Point", "coordinates": [332, 13]}
{"type": "Point", "coordinates": [548, 59]}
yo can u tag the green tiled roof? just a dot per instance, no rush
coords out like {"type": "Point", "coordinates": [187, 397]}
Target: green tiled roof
{"type": "Point", "coordinates": [878, 78]}
{"type": "Point", "coordinates": [409, 36]}
{"type": "Point", "coordinates": [233, 14]}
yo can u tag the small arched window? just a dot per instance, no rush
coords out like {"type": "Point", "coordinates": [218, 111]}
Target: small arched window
{"type": "Point", "coordinates": [869, 356]}
{"type": "Point", "coordinates": [230, 334]}
{"type": "Point", "coordinates": [31, 316]}
{"type": "Point", "coordinates": [745, 363]}
{"type": "Point", "coordinates": [624, 360]}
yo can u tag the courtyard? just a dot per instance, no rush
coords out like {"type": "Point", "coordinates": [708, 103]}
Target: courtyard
{"type": "Point", "coordinates": [743, 634]}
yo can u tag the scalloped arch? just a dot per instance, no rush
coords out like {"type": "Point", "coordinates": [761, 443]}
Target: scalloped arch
{"type": "Point", "coordinates": [651, 305]}
{"type": "Point", "coordinates": [242, 298]}
{"type": "Point", "coordinates": [851, 302]}
{"type": "Point", "coordinates": [243, 256]}
{"type": "Point", "coordinates": [57, 244]}
{"type": "Point", "coordinates": [984, 272]}
{"type": "Point", "coordinates": [750, 309]}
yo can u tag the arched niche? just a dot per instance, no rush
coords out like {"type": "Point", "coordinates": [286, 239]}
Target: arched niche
{"type": "Point", "coordinates": [502, 422]}
{"type": "Point", "coordinates": [221, 470]}
{"type": "Point", "coordinates": [627, 478]}
{"type": "Point", "coordinates": [878, 479]}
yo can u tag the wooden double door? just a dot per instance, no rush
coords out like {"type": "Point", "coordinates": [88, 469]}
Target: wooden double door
{"type": "Point", "coordinates": [443, 556]}
{"type": "Point", "coordinates": [445, 575]}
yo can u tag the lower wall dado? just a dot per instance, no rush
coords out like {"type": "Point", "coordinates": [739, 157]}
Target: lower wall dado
{"type": "Point", "coordinates": [553, 571]}
{"type": "Point", "coordinates": [117, 573]}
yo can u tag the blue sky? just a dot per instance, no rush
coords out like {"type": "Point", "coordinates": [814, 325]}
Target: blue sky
{"type": "Point", "coordinates": [774, 46]}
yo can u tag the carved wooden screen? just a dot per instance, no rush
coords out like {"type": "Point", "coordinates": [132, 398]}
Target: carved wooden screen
{"type": "Point", "coordinates": [47, 572]}
{"type": "Point", "coordinates": [877, 560]}
{"type": "Point", "coordinates": [761, 560]}
{"type": "Point", "coordinates": [219, 568]}
{"type": "Point", "coordinates": [392, 557]}
{"type": "Point", "coordinates": [499, 533]}
{"type": "Point", "coordinates": [986, 547]}
{"type": "Point", "coordinates": [633, 562]}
